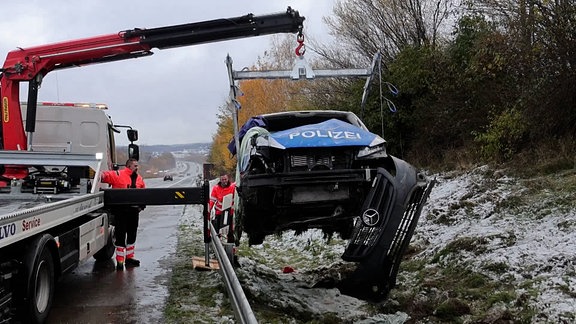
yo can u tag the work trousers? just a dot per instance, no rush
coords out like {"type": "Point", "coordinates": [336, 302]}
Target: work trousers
{"type": "Point", "coordinates": [126, 225]}
{"type": "Point", "coordinates": [219, 222]}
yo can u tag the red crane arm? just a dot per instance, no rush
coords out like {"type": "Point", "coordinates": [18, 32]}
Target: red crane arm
{"type": "Point", "coordinates": [30, 63]}
{"type": "Point", "coordinates": [33, 63]}
{"type": "Point", "coordinates": [25, 64]}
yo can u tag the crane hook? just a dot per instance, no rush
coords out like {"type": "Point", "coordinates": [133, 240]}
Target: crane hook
{"type": "Point", "coordinates": [301, 48]}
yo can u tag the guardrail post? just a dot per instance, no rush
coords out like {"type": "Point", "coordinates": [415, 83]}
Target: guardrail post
{"type": "Point", "coordinates": [206, 214]}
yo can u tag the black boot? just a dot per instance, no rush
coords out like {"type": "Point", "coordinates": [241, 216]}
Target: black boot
{"type": "Point", "coordinates": [131, 262]}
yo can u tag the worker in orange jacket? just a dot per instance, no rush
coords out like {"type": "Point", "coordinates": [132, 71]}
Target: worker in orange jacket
{"type": "Point", "coordinates": [221, 190]}
{"type": "Point", "coordinates": [126, 217]}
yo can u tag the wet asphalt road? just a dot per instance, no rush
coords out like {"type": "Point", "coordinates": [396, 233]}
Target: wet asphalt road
{"type": "Point", "coordinates": [97, 293]}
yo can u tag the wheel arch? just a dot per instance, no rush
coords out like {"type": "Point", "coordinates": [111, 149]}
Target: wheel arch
{"type": "Point", "coordinates": [34, 248]}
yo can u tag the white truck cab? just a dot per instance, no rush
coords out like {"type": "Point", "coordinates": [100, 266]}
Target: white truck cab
{"type": "Point", "coordinates": [81, 128]}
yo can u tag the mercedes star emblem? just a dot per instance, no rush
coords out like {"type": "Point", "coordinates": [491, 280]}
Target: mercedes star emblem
{"type": "Point", "coordinates": [370, 217]}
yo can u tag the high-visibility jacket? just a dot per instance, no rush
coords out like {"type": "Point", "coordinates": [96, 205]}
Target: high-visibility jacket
{"type": "Point", "coordinates": [121, 179]}
{"type": "Point", "coordinates": [218, 194]}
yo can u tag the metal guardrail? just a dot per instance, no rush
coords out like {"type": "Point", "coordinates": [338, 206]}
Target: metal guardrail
{"type": "Point", "coordinates": [242, 308]}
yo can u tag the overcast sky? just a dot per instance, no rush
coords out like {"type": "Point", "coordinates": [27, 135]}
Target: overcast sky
{"type": "Point", "coordinates": [171, 97]}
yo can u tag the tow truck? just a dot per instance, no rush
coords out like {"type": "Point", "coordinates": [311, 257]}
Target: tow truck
{"type": "Point", "coordinates": [53, 208]}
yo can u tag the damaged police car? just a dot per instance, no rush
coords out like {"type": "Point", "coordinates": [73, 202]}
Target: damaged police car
{"type": "Point", "coordinates": [324, 169]}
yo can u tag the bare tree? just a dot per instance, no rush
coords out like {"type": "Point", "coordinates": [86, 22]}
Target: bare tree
{"type": "Point", "coordinates": [368, 26]}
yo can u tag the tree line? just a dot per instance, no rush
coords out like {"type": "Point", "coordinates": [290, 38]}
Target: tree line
{"type": "Point", "coordinates": [485, 81]}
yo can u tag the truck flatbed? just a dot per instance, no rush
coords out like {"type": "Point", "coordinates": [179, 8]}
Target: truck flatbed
{"type": "Point", "coordinates": [24, 214]}
{"type": "Point", "coordinates": [27, 222]}
{"type": "Point", "coordinates": [9, 205]}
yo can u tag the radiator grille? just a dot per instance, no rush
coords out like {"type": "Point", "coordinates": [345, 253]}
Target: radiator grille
{"type": "Point", "coordinates": [312, 160]}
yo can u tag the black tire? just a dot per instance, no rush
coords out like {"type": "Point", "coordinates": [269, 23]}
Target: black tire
{"type": "Point", "coordinates": [255, 238]}
{"type": "Point", "coordinates": [107, 251]}
{"type": "Point", "coordinates": [238, 223]}
{"type": "Point", "coordinates": [345, 229]}
{"type": "Point", "coordinates": [251, 219]}
{"type": "Point", "coordinates": [38, 282]}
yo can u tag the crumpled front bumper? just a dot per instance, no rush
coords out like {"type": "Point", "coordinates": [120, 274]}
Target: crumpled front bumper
{"type": "Point", "coordinates": [387, 223]}
{"type": "Point", "coordinates": [297, 188]}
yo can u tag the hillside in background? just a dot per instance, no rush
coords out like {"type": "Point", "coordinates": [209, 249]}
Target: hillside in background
{"type": "Point", "coordinates": [158, 160]}
{"type": "Point", "coordinates": [177, 148]}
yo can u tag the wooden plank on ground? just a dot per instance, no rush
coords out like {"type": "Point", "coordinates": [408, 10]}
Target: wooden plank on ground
{"type": "Point", "coordinates": [199, 263]}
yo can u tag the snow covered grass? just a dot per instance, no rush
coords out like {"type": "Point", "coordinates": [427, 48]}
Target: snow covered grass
{"type": "Point", "coordinates": [281, 274]}
{"type": "Point", "coordinates": [489, 248]}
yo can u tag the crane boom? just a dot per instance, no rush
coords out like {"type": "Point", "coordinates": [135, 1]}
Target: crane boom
{"type": "Point", "coordinates": [33, 63]}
